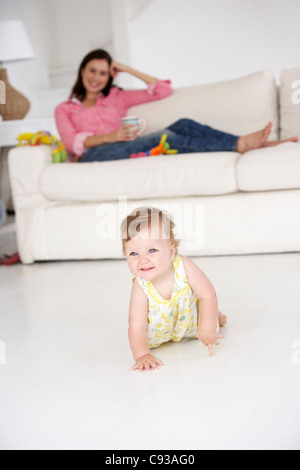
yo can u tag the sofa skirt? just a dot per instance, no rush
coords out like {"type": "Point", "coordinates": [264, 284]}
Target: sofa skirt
{"type": "Point", "coordinates": [234, 224]}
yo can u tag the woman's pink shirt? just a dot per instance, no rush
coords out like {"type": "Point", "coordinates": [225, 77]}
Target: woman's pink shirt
{"type": "Point", "coordinates": [76, 122]}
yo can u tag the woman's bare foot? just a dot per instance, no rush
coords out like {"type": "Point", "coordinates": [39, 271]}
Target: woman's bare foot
{"type": "Point", "coordinates": [222, 319]}
{"type": "Point", "coordinates": [253, 141]}
{"type": "Point", "coordinates": [259, 139]}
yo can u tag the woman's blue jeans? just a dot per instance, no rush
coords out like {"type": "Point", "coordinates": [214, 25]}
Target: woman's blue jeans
{"type": "Point", "coordinates": [185, 135]}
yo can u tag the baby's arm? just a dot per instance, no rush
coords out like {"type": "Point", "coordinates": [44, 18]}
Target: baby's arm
{"type": "Point", "coordinates": [138, 323]}
{"type": "Point", "coordinates": [208, 304]}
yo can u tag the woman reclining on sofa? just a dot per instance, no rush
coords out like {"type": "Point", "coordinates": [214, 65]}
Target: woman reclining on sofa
{"type": "Point", "coordinates": [90, 122]}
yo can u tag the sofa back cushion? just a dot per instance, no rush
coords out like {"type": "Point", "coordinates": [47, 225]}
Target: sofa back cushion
{"type": "Point", "coordinates": [290, 103]}
{"type": "Point", "coordinates": [239, 106]}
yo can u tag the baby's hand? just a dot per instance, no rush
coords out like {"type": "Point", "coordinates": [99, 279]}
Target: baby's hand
{"type": "Point", "coordinates": [146, 363]}
{"type": "Point", "coordinates": [209, 339]}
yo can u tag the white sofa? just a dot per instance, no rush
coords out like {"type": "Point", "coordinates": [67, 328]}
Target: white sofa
{"type": "Point", "coordinates": [223, 202]}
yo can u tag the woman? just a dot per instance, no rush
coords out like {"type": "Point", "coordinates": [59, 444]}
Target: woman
{"type": "Point", "coordinates": [90, 122]}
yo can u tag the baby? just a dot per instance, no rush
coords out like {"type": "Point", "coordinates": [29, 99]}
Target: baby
{"type": "Point", "coordinates": [171, 297]}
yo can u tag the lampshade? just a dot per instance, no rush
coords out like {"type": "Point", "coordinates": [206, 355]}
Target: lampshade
{"type": "Point", "coordinates": [14, 42]}
{"type": "Point", "coordinates": [14, 46]}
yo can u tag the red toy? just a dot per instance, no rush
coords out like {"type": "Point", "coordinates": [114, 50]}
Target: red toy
{"type": "Point", "coordinates": [9, 260]}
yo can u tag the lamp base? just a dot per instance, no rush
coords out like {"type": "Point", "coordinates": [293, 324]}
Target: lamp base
{"type": "Point", "coordinates": [17, 105]}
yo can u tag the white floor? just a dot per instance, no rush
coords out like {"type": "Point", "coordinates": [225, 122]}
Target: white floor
{"type": "Point", "coordinates": [65, 380]}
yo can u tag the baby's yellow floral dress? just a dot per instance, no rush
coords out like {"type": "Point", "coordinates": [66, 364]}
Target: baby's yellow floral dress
{"type": "Point", "coordinates": [173, 319]}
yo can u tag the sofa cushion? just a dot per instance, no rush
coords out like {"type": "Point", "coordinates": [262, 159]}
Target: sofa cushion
{"type": "Point", "coordinates": [239, 106]}
{"type": "Point", "coordinates": [290, 103]}
{"type": "Point", "coordinates": [270, 168]}
{"type": "Point", "coordinates": [148, 177]}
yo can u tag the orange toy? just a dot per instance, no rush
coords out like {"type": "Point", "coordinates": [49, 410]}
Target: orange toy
{"type": "Point", "coordinates": [162, 148]}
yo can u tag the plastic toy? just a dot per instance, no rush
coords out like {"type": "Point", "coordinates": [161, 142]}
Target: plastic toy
{"type": "Point", "coordinates": [59, 153]}
{"type": "Point", "coordinates": [162, 148]}
{"type": "Point", "coordinates": [8, 260]}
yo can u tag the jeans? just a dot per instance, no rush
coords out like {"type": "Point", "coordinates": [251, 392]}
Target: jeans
{"type": "Point", "coordinates": [185, 135]}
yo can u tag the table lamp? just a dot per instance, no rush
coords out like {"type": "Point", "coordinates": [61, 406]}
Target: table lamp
{"type": "Point", "coordinates": [14, 46]}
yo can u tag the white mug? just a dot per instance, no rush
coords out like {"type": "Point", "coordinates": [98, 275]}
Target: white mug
{"type": "Point", "coordinates": [136, 124]}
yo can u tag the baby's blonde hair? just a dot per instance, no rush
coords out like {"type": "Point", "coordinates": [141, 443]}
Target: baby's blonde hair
{"type": "Point", "coordinates": [147, 217]}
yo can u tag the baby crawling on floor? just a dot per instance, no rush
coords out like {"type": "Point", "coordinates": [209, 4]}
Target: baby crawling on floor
{"type": "Point", "coordinates": [171, 297]}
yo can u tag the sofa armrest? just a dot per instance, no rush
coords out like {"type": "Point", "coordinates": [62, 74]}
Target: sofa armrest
{"type": "Point", "coordinates": [25, 166]}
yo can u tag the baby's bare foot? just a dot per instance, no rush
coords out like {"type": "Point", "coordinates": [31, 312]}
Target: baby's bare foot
{"type": "Point", "coordinates": [253, 141]}
{"type": "Point", "coordinates": [222, 319]}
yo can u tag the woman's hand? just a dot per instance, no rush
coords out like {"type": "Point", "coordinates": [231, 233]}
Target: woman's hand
{"type": "Point", "coordinates": [123, 134]}
{"type": "Point", "coordinates": [146, 363]}
{"type": "Point", "coordinates": [116, 67]}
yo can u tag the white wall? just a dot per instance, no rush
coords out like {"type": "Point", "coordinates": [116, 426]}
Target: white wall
{"type": "Point", "coordinates": [80, 26]}
{"type": "Point", "coordinates": [202, 41]}
{"type": "Point", "coordinates": [61, 33]}
{"type": "Point", "coordinates": [188, 41]}
{"type": "Point", "coordinates": [29, 75]}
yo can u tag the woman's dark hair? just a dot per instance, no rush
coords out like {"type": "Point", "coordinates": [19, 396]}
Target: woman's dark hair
{"type": "Point", "coordinates": [78, 89]}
